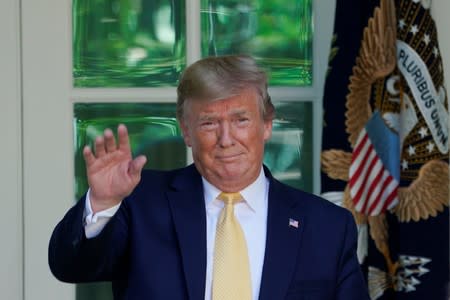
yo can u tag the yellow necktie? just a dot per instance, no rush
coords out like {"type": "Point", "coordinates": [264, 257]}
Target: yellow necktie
{"type": "Point", "coordinates": [231, 271]}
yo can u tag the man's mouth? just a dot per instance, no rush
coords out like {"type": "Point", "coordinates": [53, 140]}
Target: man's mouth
{"type": "Point", "coordinates": [228, 157]}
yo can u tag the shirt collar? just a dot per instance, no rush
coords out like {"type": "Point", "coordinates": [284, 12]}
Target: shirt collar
{"type": "Point", "coordinates": [253, 194]}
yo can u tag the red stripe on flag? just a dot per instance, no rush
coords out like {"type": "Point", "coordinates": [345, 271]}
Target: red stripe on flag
{"type": "Point", "coordinates": [359, 146]}
{"type": "Point", "coordinates": [363, 186]}
{"type": "Point", "coordinates": [392, 197]}
{"type": "Point", "coordinates": [386, 183]}
{"type": "Point", "coordinates": [354, 177]}
{"type": "Point", "coordinates": [372, 185]}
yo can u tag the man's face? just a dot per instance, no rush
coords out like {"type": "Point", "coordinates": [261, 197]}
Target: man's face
{"type": "Point", "coordinates": [227, 139]}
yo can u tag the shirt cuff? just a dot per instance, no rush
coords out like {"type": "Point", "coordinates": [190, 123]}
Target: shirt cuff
{"type": "Point", "coordinates": [94, 223]}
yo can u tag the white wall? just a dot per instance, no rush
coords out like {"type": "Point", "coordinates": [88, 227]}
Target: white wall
{"type": "Point", "coordinates": [11, 249]}
{"type": "Point", "coordinates": [47, 138]}
{"type": "Point", "coordinates": [440, 10]}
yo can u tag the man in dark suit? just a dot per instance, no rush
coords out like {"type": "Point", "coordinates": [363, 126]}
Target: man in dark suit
{"type": "Point", "coordinates": [222, 228]}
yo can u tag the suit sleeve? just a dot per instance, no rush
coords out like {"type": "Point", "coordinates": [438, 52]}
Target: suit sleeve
{"type": "Point", "coordinates": [74, 258]}
{"type": "Point", "coordinates": [351, 284]}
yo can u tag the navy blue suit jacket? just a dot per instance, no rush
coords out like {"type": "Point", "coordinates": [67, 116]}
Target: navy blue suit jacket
{"type": "Point", "coordinates": [155, 245]}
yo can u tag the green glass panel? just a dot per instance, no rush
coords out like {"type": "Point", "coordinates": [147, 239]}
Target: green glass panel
{"type": "Point", "coordinates": [278, 33]}
{"type": "Point", "coordinates": [152, 127]}
{"type": "Point", "coordinates": [288, 153]}
{"type": "Point", "coordinates": [128, 43]}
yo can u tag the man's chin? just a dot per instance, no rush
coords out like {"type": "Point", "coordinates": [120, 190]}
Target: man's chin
{"type": "Point", "coordinates": [230, 179]}
{"type": "Point", "coordinates": [233, 173]}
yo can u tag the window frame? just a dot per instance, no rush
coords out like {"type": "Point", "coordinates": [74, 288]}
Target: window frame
{"type": "Point", "coordinates": [312, 94]}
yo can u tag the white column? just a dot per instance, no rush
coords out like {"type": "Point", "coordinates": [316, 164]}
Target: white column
{"type": "Point", "coordinates": [11, 229]}
{"type": "Point", "coordinates": [47, 138]}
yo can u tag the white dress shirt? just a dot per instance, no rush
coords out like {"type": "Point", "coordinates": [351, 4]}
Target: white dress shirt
{"type": "Point", "coordinates": [251, 214]}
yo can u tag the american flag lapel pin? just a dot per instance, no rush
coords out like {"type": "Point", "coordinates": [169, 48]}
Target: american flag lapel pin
{"type": "Point", "coordinates": [293, 223]}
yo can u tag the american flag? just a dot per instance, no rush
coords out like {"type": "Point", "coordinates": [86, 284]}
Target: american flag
{"type": "Point", "coordinates": [375, 169]}
{"type": "Point", "coordinates": [293, 223]}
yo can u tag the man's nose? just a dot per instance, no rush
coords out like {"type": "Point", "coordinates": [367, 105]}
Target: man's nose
{"type": "Point", "coordinates": [225, 135]}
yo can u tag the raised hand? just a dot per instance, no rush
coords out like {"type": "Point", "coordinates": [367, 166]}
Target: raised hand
{"type": "Point", "coordinates": [112, 172]}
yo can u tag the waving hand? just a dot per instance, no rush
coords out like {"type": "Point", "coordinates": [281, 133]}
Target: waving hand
{"type": "Point", "coordinates": [112, 172]}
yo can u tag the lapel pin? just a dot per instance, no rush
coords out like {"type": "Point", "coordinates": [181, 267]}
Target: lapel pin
{"type": "Point", "coordinates": [293, 223]}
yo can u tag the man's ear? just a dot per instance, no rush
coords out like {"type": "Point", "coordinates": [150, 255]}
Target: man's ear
{"type": "Point", "coordinates": [267, 129]}
{"type": "Point", "coordinates": [186, 133]}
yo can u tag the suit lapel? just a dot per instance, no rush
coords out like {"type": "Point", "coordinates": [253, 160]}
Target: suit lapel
{"type": "Point", "coordinates": [282, 244]}
{"type": "Point", "coordinates": [189, 216]}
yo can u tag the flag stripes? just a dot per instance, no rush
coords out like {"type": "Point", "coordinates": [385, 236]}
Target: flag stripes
{"type": "Point", "coordinates": [372, 188]}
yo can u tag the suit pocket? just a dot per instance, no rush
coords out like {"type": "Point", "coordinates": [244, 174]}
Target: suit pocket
{"type": "Point", "coordinates": [310, 290]}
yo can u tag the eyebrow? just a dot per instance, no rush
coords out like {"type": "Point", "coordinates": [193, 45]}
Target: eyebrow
{"type": "Point", "coordinates": [239, 112]}
{"type": "Point", "coordinates": [207, 117]}
{"type": "Point", "coordinates": [235, 113]}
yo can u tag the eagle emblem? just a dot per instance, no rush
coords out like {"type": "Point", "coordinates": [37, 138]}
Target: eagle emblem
{"type": "Point", "coordinates": [379, 86]}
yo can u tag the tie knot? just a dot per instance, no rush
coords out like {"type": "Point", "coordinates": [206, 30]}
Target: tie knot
{"type": "Point", "coordinates": [230, 198]}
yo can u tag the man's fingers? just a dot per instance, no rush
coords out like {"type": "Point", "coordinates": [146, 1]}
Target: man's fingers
{"type": "Point", "coordinates": [137, 164]}
{"type": "Point", "coordinates": [110, 140]}
{"type": "Point", "coordinates": [89, 157]}
{"type": "Point", "coordinates": [99, 147]}
{"type": "Point", "coordinates": [124, 141]}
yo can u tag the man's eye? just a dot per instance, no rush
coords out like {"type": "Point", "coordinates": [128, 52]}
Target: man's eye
{"type": "Point", "coordinates": [208, 125]}
{"type": "Point", "coordinates": [243, 120]}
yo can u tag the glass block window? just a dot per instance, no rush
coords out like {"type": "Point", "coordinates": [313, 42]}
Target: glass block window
{"type": "Point", "coordinates": [278, 33]}
{"type": "Point", "coordinates": [128, 43]}
{"type": "Point", "coordinates": [288, 154]}
{"type": "Point", "coordinates": [152, 127]}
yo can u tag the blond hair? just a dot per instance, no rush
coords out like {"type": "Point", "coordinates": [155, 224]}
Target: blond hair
{"type": "Point", "coordinates": [220, 77]}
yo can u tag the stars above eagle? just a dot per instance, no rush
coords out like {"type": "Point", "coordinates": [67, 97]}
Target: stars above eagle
{"type": "Point", "coordinates": [411, 150]}
{"type": "Point", "coordinates": [414, 29]}
{"type": "Point", "coordinates": [430, 147]}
